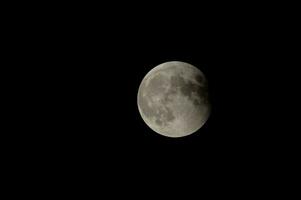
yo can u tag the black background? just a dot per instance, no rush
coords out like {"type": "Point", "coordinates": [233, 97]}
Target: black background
{"type": "Point", "coordinates": [96, 97]}
{"type": "Point", "coordinates": [87, 66]}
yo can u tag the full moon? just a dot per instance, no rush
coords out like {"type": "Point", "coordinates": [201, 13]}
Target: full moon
{"type": "Point", "coordinates": [173, 99]}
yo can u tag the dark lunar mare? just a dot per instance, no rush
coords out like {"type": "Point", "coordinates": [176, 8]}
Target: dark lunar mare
{"type": "Point", "coordinates": [188, 88]}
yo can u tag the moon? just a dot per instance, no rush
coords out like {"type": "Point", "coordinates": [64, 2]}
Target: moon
{"type": "Point", "coordinates": [173, 99]}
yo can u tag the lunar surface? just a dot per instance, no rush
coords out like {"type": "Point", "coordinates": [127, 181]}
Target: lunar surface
{"type": "Point", "coordinates": [173, 99]}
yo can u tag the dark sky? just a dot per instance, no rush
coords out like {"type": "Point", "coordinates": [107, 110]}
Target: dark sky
{"type": "Point", "coordinates": [90, 72]}
{"type": "Point", "coordinates": [101, 73]}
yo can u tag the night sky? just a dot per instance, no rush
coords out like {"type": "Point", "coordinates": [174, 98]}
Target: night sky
{"type": "Point", "coordinates": [101, 76]}
{"type": "Point", "coordinates": [88, 68]}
